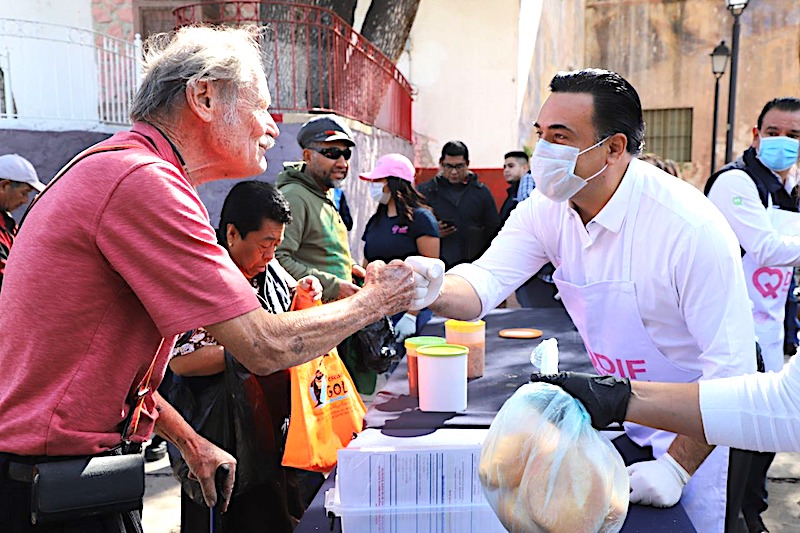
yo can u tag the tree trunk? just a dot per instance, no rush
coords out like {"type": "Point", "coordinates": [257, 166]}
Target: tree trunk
{"type": "Point", "coordinates": [388, 23]}
{"type": "Point", "coordinates": [344, 8]}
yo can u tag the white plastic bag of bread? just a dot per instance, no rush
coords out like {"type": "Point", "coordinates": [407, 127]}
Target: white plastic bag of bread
{"type": "Point", "coordinates": [544, 469]}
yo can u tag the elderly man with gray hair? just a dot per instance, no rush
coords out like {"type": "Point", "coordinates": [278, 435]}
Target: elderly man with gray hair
{"type": "Point", "coordinates": [131, 261]}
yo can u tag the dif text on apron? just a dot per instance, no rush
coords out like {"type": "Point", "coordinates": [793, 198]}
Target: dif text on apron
{"type": "Point", "coordinates": [607, 317]}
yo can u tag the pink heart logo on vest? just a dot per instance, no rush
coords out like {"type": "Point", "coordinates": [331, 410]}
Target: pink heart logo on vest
{"type": "Point", "coordinates": [767, 288]}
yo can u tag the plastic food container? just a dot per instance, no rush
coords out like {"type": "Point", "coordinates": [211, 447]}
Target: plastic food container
{"type": "Point", "coordinates": [473, 336]}
{"type": "Point", "coordinates": [442, 377]}
{"type": "Point", "coordinates": [412, 344]}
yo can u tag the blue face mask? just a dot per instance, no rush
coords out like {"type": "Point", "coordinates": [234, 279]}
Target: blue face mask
{"type": "Point", "coordinates": [778, 153]}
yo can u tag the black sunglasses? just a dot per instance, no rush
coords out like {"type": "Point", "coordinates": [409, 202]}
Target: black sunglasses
{"type": "Point", "coordinates": [335, 153]}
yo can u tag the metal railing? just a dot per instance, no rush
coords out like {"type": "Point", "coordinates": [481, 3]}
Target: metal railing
{"type": "Point", "coordinates": [63, 73]}
{"type": "Point", "coordinates": [316, 62]}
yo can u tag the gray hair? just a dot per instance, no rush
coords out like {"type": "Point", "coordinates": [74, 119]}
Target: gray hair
{"type": "Point", "coordinates": [175, 61]}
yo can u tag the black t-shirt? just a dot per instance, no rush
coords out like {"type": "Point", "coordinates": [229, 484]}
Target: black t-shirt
{"type": "Point", "coordinates": [386, 238]}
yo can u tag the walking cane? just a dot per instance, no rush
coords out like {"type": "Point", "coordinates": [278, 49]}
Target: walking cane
{"type": "Point", "coordinates": [219, 481]}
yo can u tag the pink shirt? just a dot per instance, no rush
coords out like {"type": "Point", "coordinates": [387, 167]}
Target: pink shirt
{"type": "Point", "coordinates": [112, 264]}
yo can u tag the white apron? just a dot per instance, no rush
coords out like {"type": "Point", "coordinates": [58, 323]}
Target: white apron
{"type": "Point", "coordinates": [768, 287]}
{"type": "Point", "coordinates": [607, 317]}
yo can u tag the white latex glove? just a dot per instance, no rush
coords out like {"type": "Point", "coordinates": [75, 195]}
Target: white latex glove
{"type": "Point", "coordinates": [428, 280]}
{"type": "Point", "coordinates": [405, 327]}
{"type": "Point", "coordinates": [657, 483]}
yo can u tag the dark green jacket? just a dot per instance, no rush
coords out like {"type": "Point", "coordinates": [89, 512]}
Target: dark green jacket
{"type": "Point", "coordinates": [315, 242]}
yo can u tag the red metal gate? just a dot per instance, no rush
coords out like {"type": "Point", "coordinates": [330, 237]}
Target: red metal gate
{"type": "Point", "coordinates": [316, 62]}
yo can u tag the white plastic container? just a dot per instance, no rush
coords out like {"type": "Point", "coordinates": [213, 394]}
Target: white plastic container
{"type": "Point", "coordinates": [419, 519]}
{"type": "Point", "coordinates": [411, 344]}
{"type": "Point", "coordinates": [442, 377]}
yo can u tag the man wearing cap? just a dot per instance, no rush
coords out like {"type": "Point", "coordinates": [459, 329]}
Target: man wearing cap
{"type": "Point", "coordinates": [17, 179]}
{"type": "Point", "coordinates": [315, 243]}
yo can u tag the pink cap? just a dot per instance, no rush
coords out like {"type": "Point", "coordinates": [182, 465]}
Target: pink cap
{"type": "Point", "coordinates": [396, 165]}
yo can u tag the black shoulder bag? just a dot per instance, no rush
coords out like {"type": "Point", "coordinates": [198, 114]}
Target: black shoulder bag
{"type": "Point", "coordinates": [89, 486]}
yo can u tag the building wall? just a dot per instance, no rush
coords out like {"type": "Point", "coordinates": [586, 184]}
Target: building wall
{"type": "Point", "coordinates": [463, 65]}
{"type": "Point", "coordinates": [75, 13]}
{"type": "Point", "coordinates": [42, 33]}
{"type": "Point", "coordinates": [559, 45]}
{"type": "Point", "coordinates": [663, 49]}
{"type": "Point", "coordinates": [47, 151]}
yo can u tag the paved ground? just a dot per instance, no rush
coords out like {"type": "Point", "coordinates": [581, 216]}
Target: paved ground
{"type": "Point", "coordinates": [162, 497]}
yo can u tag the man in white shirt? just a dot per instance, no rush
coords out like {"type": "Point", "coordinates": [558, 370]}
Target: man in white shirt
{"type": "Point", "coordinates": [647, 268]}
{"type": "Point", "coordinates": [756, 195]}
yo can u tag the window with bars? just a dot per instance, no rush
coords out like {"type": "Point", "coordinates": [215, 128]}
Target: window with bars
{"type": "Point", "coordinates": [668, 133]}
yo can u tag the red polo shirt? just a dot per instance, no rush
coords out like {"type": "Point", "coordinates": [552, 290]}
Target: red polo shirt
{"type": "Point", "coordinates": [112, 264]}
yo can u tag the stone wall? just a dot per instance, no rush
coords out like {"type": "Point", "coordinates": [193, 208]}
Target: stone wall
{"type": "Point", "coordinates": [113, 17]}
{"type": "Point", "coordinates": [559, 46]}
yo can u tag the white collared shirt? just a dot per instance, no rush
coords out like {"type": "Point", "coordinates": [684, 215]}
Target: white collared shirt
{"type": "Point", "coordinates": [737, 198]}
{"type": "Point", "coordinates": [686, 266]}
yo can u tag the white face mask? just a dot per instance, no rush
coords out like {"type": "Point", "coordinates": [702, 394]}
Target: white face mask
{"type": "Point", "coordinates": [377, 194]}
{"type": "Point", "coordinates": [553, 169]}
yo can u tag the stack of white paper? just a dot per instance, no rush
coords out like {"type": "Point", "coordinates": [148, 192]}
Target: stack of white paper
{"type": "Point", "coordinates": [432, 470]}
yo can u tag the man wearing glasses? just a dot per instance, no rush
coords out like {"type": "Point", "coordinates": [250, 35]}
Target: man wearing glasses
{"type": "Point", "coordinates": [315, 243]}
{"type": "Point", "coordinates": [463, 206]}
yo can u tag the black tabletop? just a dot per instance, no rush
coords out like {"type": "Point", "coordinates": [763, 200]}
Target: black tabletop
{"type": "Point", "coordinates": [507, 367]}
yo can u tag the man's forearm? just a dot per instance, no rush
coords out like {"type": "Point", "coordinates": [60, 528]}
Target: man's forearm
{"type": "Point", "coordinates": [458, 299]}
{"type": "Point", "coordinates": [171, 425]}
{"type": "Point", "coordinates": [266, 343]}
{"type": "Point", "coordinates": [689, 453]}
{"type": "Point", "coordinates": [672, 407]}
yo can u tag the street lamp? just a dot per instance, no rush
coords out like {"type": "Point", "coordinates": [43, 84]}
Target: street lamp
{"type": "Point", "coordinates": [719, 60]}
{"type": "Point", "coordinates": [736, 7]}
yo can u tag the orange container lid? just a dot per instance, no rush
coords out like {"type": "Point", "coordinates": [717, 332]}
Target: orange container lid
{"type": "Point", "coordinates": [463, 326]}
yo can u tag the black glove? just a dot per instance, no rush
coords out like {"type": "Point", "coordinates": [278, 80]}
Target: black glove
{"type": "Point", "coordinates": [604, 397]}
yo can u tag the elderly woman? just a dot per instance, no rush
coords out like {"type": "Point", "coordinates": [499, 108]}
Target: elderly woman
{"type": "Point", "coordinates": [251, 227]}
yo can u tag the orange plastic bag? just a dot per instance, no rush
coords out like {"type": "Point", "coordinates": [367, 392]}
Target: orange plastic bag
{"type": "Point", "coordinates": [327, 411]}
